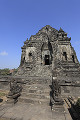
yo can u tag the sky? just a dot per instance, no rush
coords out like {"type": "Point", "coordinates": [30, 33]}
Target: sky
{"type": "Point", "coordinates": [19, 19]}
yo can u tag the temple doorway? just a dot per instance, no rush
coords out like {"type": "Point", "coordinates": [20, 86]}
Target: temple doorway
{"type": "Point", "coordinates": [46, 59]}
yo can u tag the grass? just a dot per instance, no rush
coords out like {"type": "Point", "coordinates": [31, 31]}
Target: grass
{"type": "Point", "coordinates": [2, 94]}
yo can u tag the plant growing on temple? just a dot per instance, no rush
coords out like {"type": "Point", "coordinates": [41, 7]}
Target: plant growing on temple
{"type": "Point", "coordinates": [78, 106]}
{"type": "Point", "coordinates": [78, 102]}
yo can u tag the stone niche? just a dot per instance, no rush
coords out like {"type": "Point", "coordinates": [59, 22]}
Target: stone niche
{"type": "Point", "coordinates": [46, 55]}
{"type": "Point", "coordinates": [30, 54]}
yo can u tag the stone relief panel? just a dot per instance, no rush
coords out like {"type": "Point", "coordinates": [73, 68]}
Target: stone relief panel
{"type": "Point", "coordinates": [30, 53]}
{"type": "Point", "coordinates": [66, 53]}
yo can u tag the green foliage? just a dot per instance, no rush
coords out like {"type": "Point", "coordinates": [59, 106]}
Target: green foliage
{"type": "Point", "coordinates": [15, 70]}
{"type": "Point", "coordinates": [5, 71]}
{"type": "Point", "coordinates": [2, 94]}
{"type": "Point", "coordinates": [78, 102]}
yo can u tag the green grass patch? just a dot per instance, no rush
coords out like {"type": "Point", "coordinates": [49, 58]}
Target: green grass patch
{"type": "Point", "coordinates": [78, 102]}
{"type": "Point", "coordinates": [2, 94]}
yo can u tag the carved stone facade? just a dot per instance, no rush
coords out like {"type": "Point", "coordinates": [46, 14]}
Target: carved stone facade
{"type": "Point", "coordinates": [48, 53]}
{"type": "Point", "coordinates": [49, 74]}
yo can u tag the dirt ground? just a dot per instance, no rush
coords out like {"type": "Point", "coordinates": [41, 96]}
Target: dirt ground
{"type": "Point", "coordinates": [3, 96]}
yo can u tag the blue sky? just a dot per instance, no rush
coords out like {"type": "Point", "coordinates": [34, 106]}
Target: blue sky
{"type": "Point", "coordinates": [19, 19]}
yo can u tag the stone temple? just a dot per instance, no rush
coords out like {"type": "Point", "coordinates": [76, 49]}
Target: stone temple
{"type": "Point", "coordinates": [49, 53]}
{"type": "Point", "coordinates": [47, 80]}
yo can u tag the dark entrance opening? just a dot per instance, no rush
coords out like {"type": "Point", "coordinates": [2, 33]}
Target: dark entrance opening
{"type": "Point", "coordinates": [73, 58]}
{"type": "Point", "coordinates": [65, 55]}
{"type": "Point", "coordinates": [46, 59]}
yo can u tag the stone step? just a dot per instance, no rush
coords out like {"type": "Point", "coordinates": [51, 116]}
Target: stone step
{"type": "Point", "coordinates": [36, 91]}
{"type": "Point", "coordinates": [70, 63]}
{"type": "Point", "coordinates": [59, 108]}
{"type": "Point", "coordinates": [72, 109]}
{"type": "Point", "coordinates": [36, 86]}
{"type": "Point", "coordinates": [33, 100]}
{"type": "Point", "coordinates": [40, 81]}
{"type": "Point", "coordinates": [32, 89]}
{"type": "Point", "coordinates": [39, 96]}
{"type": "Point", "coordinates": [68, 103]}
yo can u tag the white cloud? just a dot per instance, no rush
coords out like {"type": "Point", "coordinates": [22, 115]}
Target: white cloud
{"type": "Point", "coordinates": [4, 53]}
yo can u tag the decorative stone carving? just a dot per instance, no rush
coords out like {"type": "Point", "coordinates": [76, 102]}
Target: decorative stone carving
{"type": "Point", "coordinates": [15, 91]}
{"type": "Point", "coordinates": [56, 92]}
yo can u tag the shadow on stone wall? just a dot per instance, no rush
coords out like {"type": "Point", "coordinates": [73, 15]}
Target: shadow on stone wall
{"type": "Point", "coordinates": [75, 109]}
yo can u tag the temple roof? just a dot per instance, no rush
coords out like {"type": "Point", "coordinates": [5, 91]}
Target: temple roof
{"type": "Point", "coordinates": [47, 29]}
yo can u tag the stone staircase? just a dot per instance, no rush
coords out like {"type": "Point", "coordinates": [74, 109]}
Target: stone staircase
{"type": "Point", "coordinates": [70, 106]}
{"type": "Point", "coordinates": [38, 70]}
{"type": "Point", "coordinates": [71, 69]}
{"type": "Point", "coordinates": [35, 94]}
{"type": "Point", "coordinates": [58, 108]}
{"type": "Point", "coordinates": [45, 70]}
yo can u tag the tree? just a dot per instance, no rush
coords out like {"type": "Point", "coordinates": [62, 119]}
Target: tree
{"type": "Point", "coordinates": [5, 71]}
